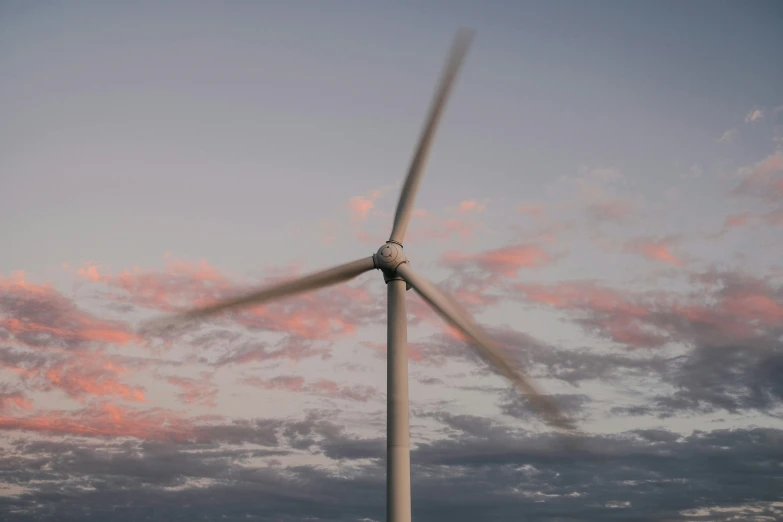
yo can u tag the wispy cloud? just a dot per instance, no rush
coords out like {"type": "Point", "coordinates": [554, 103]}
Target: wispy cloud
{"type": "Point", "coordinates": [763, 179]}
{"type": "Point", "coordinates": [471, 205]}
{"type": "Point", "coordinates": [105, 420]}
{"type": "Point", "coordinates": [729, 307]}
{"type": "Point", "coordinates": [729, 136]}
{"type": "Point", "coordinates": [610, 210]}
{"type": "Point", "coordinates": [181, 285]}
{"type": "Point", "coordinates": [38, 316]}
{"type": "Point", "coordinates": [621, 318]}
{"type": "Point", "coordinates": [361, 206]}
{"type": "Point", "coordinates": [741, 219]}
{"type": "Point", "coordinates": [655, 249]}
{"type": "Point", "coordinates": [754, 116]}
{"type": "Point", "coordinates": [530, 209]}
{"type": "Point", "coordinates": [198, 391]}
{"type": "Point", "coordinates": [290, 349]}
{"type": "Point", "coordinates": [735, 221]}
{"type": "Point", "coordinates": [91, 376]}
{"type": "Point", "coordinates": [324, 387]}
{"type": "Point", "coordinates": [506, 261]}
{"type": "Point", "coordinates": [604, 194]}
{"type": "Point", "coordinates": [13, 399]}
{"type": "Point", "coordinates": [774, 217]}
{"type": "Point", "coordinates": [429, 226]}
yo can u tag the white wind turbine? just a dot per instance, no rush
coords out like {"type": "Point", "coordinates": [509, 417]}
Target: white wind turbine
{"type": "Point", "coordinates": [399, 276]}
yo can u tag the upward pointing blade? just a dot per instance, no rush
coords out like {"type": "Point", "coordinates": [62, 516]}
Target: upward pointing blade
{"type": "Point", "coordinates": [314, 281]}
{"type": "Point", "coordinates": [459, 318]}
{"type": "Point", "coordinates": [405, 205]}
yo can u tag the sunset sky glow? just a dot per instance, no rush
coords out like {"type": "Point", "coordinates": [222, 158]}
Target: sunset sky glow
{"type": "Point", "coordinates": [605, 195]}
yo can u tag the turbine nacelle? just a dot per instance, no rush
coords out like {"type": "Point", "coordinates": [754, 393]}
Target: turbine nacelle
{"type": "Point", "coordinates": [388, 258]}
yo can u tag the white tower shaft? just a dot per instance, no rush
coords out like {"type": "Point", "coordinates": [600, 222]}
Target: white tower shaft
{"type": "Point", "coordinates": [398, 456]}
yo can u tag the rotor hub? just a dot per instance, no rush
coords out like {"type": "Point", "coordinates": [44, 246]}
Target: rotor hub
{"type": "Point", "coordinates": [388, 258]}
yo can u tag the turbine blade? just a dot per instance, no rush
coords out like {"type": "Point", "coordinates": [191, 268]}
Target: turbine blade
{"type": "Point", "coordinates": [314, 281]}
{"type": "Point", "coordinates": [459, 48]}
{"type": "Point", "coordinates": [487, 348]}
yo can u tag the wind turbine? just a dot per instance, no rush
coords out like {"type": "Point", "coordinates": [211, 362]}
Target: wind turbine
{"type": "Point", "coordinates": [399, 277]}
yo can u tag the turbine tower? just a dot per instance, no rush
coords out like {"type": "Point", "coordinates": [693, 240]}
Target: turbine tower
{"type": "Point", "coordinates": [399, 277]}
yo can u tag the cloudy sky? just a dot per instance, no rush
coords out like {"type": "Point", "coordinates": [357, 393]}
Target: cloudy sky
{"type": "Point", "coordinates": [605, 195]}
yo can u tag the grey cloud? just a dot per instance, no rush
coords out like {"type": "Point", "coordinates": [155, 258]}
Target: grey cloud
{"type": "Point", "coordinates": [540, 359]}
{"type": "Point", "coordinates": [519, 406]}
{"type": "Point", "coordinates": [481, 471]}
{"type": "Point", "coordinates": [730, 377]}
{"type": "Point", "coordinates": [732, 341]}
{"type": "Point", "coordinates": [263, 432]}
{"type": "Point", "coordinates": [255, 351]}
{"type": "Point", "coordinates": [17, 358]}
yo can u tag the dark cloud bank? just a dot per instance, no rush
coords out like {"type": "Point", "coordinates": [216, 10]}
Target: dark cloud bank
{"type": "Point", "coordinates": [480, 471]}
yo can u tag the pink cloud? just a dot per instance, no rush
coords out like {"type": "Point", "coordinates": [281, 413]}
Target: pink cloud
{"type": "Point", "coordinates": [105, 420]}
{"type": "Point", "coordinates": [753, 307]}
{"type": "Point", "coordinates": [659, 250]}
{"type": "Point", "coordinates": [741, 219]}
{"type": "Point", "coordinates": [582, 295]}
{"type": "Point", "coordinates": [754, 115]}
{"type": "Point", "coordinates": [335, 312]}
{"type": "Point", "coordinates": [81, 375]}
{"type": "Point", "coordinates": [181, 284]}
{"type": "Point", "coordinates": [16, 399]}
{"type": "Point", "coordinates": [732, 307]}
{"type": "Point", "coordinates": [316, 316]}
{"type": "Point", "coordinates": [470, 206]}
{"type": "Point", "coordinates": [600, 309]}
{"type": "Point", "coordinates": [474, 292]}
{"type": "Point", "coordinates": [625, 319]}
{"type": "Point", "coordinates": [537, 211]}
{"type": "Point", "coordinates": [748, 219]}
{"type": "Point", "coordinates": [505, 261]}
{"type": "Point", "coordinates": [199, 391]}
{"type": "Point", "coordinates": [90, 271]}
{"type": "Point", "coordinates": [89, 375]}
{"type": "Point", "coordinates": [764, 179]}
{"type": "Point", "coordinates": [360, 206]}
{"type": "Point", "coordinates": [39, 316]}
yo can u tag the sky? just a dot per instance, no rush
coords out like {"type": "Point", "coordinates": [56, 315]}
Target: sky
{"type": "Point", "coordinates": [605, 196]}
